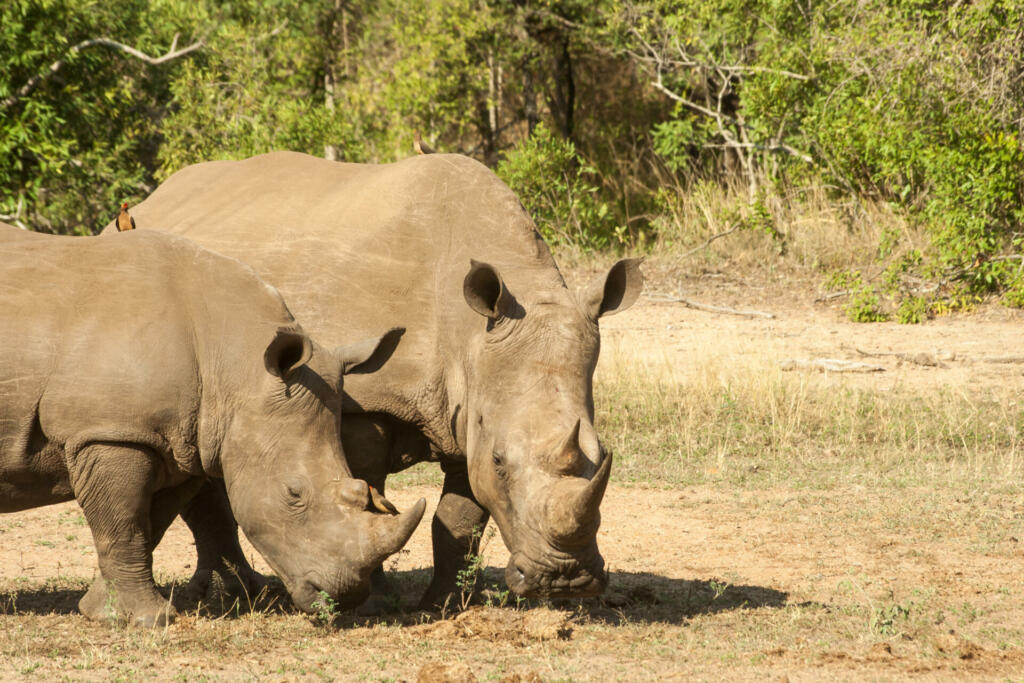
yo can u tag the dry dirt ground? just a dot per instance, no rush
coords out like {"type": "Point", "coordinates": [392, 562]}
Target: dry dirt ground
{"type": "Point", "coordinates": [708, 582]}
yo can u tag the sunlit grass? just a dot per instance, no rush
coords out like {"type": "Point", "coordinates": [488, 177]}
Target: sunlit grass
{"type": "Point", "coordinates": [751, 424]}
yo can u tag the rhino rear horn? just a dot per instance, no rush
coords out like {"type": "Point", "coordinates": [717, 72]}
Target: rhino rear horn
{"type": "Point", "coordinates": [590, 498]}
{"type": "Point", "coordinates": [567, 456]}
{"type": "Point", "coordinates": [370, 354]}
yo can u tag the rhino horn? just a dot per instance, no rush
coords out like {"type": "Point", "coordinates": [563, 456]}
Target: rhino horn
{"type": "Point", "coordinates": [573, 512]}
{"type": "Point", "coordinates": [590, 498]}
{"type": "Point", "coordinates": [567, 458]}
{"type": "Point", "coordinates": [394, 532]}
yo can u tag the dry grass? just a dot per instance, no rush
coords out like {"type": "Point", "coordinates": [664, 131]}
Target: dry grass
{"type": "Point", "coordinates": [789, 228]}
{"type": "Point", "coordinates": [746, 423]}
{"type": "Point", "coordinates": [760, 524]}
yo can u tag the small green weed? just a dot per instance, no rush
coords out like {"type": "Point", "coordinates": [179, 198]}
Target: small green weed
{"type": "Point", "coordinates": [325, 608]}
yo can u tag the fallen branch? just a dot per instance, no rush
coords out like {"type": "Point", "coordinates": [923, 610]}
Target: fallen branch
{"type": "Point", "coordinates": [921, 358]}
{"type": "Point", "coordinates": [712, 309]}
{"type": "Point", "coordinates": [33, 83]}
{"type": "Point", "coordinates": [833, 295]}
{"type": "Point", "coordinates": [710, 240]}
{"type": "Point", "coordinates": [829, 365]}
{"type": "Point", "coordinates": [1003, 359]}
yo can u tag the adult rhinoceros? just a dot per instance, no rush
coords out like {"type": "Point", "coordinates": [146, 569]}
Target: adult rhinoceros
{"type": "Point", "coordinates": [494, 376]}
{"type": "Point", "coordinates": [136, 365]}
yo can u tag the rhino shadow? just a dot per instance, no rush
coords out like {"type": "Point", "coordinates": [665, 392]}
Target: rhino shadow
{"type": "Point", "coordinates": [631, 598]}
{"type": "Point", "coordinates": [217, 602]}
{"type": "Point", "coordinates": [641, 597]}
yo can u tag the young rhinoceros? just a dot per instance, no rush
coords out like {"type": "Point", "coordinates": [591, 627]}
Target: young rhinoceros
{"type": "Point", "coordinates": [133, 367]}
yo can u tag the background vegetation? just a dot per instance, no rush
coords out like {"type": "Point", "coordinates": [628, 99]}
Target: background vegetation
{"type": "Point", "coordinates": [622, 123]}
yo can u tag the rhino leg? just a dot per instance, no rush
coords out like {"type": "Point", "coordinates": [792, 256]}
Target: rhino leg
{"type": "Point", "coordinates": [115, 485]}
{"type": "Point", "coordinates": [209, 518]}
{"type": "Point", "coordinates": [455, 529]}
{"type": "Point", "coordinates": [368, 443]}
{"type": "Point", "coordinates": [165, 507]}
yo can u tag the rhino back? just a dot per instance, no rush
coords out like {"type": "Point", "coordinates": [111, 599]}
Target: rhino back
{"type": "Point", "coordinates": [357, 248]}
{"type": "Point", "coordinates": [105, 339]}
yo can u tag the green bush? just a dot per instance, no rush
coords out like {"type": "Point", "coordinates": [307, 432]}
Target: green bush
{"type": "Point", "coordinates": [552, 181]}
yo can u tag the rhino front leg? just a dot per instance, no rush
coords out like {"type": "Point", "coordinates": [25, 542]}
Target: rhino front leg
{"type": "Point", "coordinates": [209, 518]}
{"type": "Point", "coordinates": [455, 530]}
{"type": "Point", "coordinates": [114, 484]}
{"type": "Point", "coordinates": [166, 506]}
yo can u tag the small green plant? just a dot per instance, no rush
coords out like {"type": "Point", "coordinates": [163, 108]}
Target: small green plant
{"type": "Point", "coordinates": [913, 310]}
{"type": "Point", "coordinates": [761, 220]}
{"type": "Point", "coordinates": [842, 279]}
{"type": "Point", "coordinates": [466, 578]}
{"type": "Point", "coordinates": [863, 306]}
{"type": "Point", "coordinates": [719, 588]}
{"type": "Point", "coordinates": [1014, 295]}
{"type": "Point", "coordinates": [324, 609]}
{"type": "Point", "coordinates": [886, 619]}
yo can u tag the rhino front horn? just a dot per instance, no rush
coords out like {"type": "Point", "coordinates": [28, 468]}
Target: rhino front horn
{"type": "Point", "coordinates": [395, 531]}
{"type": "Point", "coordinates": [573, 512]}
{"type": "Point", "coordinates": [590, 498]}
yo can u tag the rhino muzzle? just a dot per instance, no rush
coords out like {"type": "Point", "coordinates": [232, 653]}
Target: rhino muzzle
{"type": "Point", "coordinates": [562, 578]}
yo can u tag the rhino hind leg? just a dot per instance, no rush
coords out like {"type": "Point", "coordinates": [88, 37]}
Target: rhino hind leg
{"type": "Point", "coordinates": [455, 530]}
{"type": "Point", "coordinates": [115, 484]}
{"type": "Point", "coordinates": [209, 518]}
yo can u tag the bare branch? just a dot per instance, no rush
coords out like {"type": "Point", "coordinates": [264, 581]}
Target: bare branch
{"type": "Point", "coordinates": [34, 82]}
{"type": "Point", "coordinates": [712, 309]}
{"type": "Point", "coordinates": [710, 240]}
{"type": "Point", "coordinates": [722, 118]}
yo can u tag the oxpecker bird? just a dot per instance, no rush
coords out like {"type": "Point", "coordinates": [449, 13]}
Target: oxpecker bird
{"type": "Point", "coordinates": [124, 219]}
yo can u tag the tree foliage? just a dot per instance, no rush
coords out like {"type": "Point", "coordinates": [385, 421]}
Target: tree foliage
{"type": "Point", "coordinates": [585, 108]}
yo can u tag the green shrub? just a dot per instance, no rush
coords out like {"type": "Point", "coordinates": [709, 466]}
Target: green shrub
{"type": "Point", "coordinates": [552, 181]}
{"type": "Point", "coordinates": [863, 306]}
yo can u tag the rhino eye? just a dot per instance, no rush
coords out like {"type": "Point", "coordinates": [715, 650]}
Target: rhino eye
{"type": "Point", "coordinates": [294, 495]}
{"type": "Point", "coordinates": [498, 459]}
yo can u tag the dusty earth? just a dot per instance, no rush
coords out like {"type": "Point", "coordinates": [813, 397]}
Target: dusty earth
{"type": "Point", "coordinates": [708, 582]}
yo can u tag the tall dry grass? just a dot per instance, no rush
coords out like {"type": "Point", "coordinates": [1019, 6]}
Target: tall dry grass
{"type": "Point", "coordinates": [804, 227]}
{"type": "Point", "coordinates": [743, 421]}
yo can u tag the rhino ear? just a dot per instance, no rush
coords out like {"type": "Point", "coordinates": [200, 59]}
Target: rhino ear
{"type": "Point", "coordinates": [288, 352]}
{"type": "Point", "coordinates": [616, 291]}
{"type": "Point", "coordinates": [370, 354]}
{"type": "Point", "coordinates": [486, 293]}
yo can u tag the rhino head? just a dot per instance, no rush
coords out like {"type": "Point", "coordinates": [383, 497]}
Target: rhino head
{"type": "Point", "coordinates": [288, 482]}
{"type": "Point", "coordinates": [534, 458]}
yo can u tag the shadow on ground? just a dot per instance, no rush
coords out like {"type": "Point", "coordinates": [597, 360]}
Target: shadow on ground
{"type": "Point", "coordinates": [630, 598]}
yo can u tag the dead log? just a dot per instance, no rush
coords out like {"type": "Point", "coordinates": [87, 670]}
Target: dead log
{"type": "Point", "coordinates": [711, 309]}
{"type": "Point", "coordinates": [829, 365]}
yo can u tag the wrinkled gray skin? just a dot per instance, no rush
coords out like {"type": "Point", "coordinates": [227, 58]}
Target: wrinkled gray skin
{"type": "Point", "coordinates": [136, 365]}
{"type": "Point", "coordinates": [494, 376]}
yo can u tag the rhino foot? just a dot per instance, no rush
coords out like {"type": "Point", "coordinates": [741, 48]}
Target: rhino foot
{"type": "Point", "coordinates": [245, 584]}
{"type": "Point", "coordinates": [384, 598]}
{"type": "Point", "coordinates": [143, 607]}
{"type": "Point", "coordinates": [439, 597]}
